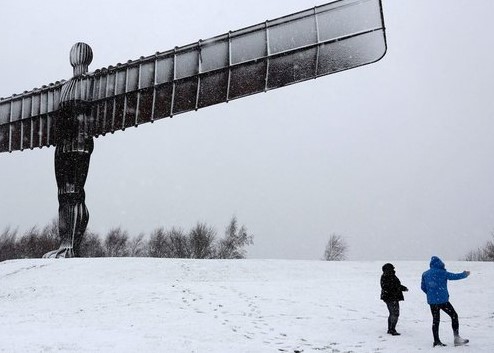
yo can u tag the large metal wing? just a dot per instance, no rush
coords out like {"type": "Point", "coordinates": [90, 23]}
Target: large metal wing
{"type": "Point", "coordinates": [27, 120]}
{"type": "Point", "coordinates": [323, 40]}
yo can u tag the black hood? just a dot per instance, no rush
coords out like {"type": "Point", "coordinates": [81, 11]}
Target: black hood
{"type": "Point", "coordinates": [388, 268]}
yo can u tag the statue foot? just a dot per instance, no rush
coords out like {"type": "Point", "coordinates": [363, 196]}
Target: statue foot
{"type": "Point", "coordinates": [62, 252]}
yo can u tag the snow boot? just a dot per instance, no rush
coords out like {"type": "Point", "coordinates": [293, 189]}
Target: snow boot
{"type": "Point", "coordinates": [392, 321]}
{"type": "Point", "coordinates": [438, 344]}
{"type": "Point", "coordinates": [393, 332]}
{"type": "Point", "coordinates": [460, 341]}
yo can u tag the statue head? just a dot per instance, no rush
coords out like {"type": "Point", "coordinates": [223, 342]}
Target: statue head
{"type": "Point", "coordinates": [81, 55]}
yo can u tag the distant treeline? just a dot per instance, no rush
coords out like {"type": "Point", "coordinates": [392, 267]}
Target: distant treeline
{"type": "Point", "coordinates": [483, 253]}
{"type": "Point", "coordinates": [200, 242]}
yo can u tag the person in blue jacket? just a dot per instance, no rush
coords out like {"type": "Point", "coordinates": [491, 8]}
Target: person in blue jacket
{"type": "Point", "coordinates": [435, 285]}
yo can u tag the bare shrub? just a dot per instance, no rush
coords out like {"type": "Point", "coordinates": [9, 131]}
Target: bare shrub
{"type": "Point", "coordinates": [157, 245]}
{"type": "Point", "coordinates": [35, 243]}
{"type": "Point", "coordinates": [202, 238]}
{"type": "Point", "coordinates": [116, 243]}
{"type": "Point", "coordinates": [336, 248]}
{"type": "Point", "coordinates": [91, 245]}
{"type": "Point", "coordinates": [8, 244]}
{"type": "Point", "coordinates": [484, 253]}
{"type": "Point", "coordinates": [172, 243]}
{"type": "Point", "coordinates": [232, 246]}
{"type": "Point", "coordinates": [137, 246]}
{"type": "Point", "coordinates": [199, 243]}
{"type": "Point", "coordinates": [179, 245]}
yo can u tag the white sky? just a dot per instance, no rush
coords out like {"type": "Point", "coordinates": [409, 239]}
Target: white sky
{"type": "Point", "coordinates": [395, 156]}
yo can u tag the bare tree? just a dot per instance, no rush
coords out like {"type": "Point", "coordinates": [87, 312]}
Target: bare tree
{"type": "Point", "coordinates": [202, 238]}
{"type": "Point", "coordinates": [137, 246]}
{"type": "Point", "coordinates": [49, 238]}
{"type": "Point", "coordinates": [336, 248]}
{"type": "Point", "coordinates": [475, 255]}
{"type": "Point", "coordinates": [232, 246]}
{"type": "Point", "coordinates": [91, 245]}
{"type": "Point", "coordinates": [116, 243]}
{"type": "Point", "coordinates": [157, 245]}
{"type": "Point", "coordinates": [172, 243]}
{"type": "Point", "coordinates": [8, 244]}
{"type": "Point", "coordinates": [51, 231]}
{"type": "Point", "coordinates": [200, 243]}
{"type": "Point", "coordinates": [34, 243]}
{"type": "Point", "coordinates": [484, 253]}
{"type": "Point", "coordinates": [179, 245]}
{"type": "Point", "coordinates": [489, 250]}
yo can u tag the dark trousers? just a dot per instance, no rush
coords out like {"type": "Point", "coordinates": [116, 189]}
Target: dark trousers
{"type": "Point", "coordinates": [394, 313]}
{"type": "Point", "coordinates": [436, 317]}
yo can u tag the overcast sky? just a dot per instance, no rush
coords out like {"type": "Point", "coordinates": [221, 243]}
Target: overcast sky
{"type": "Point", "coordinates": [396, 156]}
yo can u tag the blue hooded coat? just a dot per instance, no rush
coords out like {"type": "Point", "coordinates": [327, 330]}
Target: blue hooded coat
{"type": "Point", "coordinates": [435, 281]}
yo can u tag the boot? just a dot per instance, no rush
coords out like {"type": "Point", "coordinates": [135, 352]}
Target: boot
{"type": "Point", "coordinates": [392, 327]}
{"type": "Point", "coordinates": [460, 341]}
{"type": "Point", "coordinates": [438, 344]}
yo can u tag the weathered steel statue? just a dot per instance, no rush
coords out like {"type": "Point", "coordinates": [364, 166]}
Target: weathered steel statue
{"type": "Point", "coordinates": [74, 145]}
{"type": "Point", "coordinates": [323, 40]}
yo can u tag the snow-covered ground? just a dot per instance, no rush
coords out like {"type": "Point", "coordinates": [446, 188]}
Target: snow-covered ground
{"type": "Point", "coordinates": [165, 305]}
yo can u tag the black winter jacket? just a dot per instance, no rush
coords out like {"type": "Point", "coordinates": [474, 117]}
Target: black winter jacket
{"type": "Point", "coordinates": [391, 288]}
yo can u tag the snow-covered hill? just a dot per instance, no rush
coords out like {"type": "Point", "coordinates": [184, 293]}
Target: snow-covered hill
{"type": "Point", "coordinates": [164, 305]}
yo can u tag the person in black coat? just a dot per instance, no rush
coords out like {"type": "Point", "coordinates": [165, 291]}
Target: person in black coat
{"type": "Point", "coordinates": [392, 294]}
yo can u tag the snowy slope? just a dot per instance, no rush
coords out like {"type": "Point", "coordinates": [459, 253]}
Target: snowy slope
{"type": "Point", "coordinates": [164, 305]}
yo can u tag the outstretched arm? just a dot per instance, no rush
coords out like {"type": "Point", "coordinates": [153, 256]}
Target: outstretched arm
{"type": "Point", "coordinates": [456, 276]}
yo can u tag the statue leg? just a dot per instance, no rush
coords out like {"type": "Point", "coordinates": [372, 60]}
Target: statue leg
{"type": "Point", "coordinates": [73, 217]}
{"type": "Point", "coordinates": [71, 170]}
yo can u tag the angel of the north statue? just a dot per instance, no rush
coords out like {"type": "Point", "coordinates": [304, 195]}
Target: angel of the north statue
{"type": "Point", "coordinates": [323, 40]}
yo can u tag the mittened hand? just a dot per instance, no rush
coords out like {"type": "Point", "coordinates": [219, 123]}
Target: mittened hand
{"type": "Point", "coordinates": [467, 273]}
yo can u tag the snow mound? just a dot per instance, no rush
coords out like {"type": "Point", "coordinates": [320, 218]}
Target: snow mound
{"type": "Point", "coordinates": [173, 305]}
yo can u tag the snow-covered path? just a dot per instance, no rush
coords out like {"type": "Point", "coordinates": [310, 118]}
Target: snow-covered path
{"type": "Point", "coordinates": [168, 305]}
